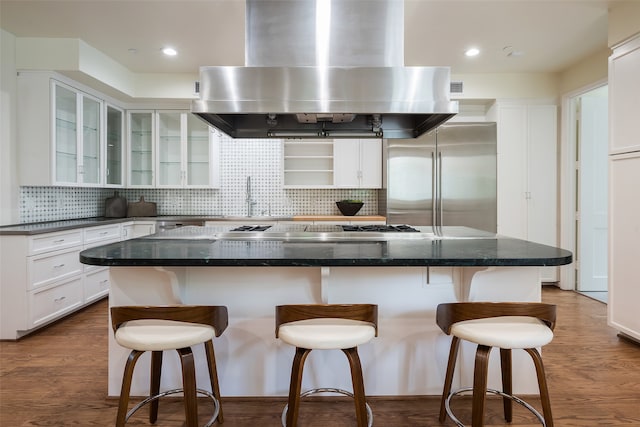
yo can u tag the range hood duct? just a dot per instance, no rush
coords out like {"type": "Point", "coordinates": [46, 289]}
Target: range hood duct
{"type": "Point", "coordinates": [324, 69]}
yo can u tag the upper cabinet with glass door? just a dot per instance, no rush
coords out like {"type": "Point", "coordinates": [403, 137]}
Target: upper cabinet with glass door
{"type": "Point", "coordinates": [91, 167]}
{"type": "Point", "coordinates": [114, 147]}
{"type": "Point", "coordinates": [141, 148]}
{"type": "Point", "coordinates": [70, 151]}
{"type": "Point", "coordinates": [186, 150]}
{"type": "Point", "coordinates": [77, 126]}
{"type": "Point", "coordinates": [170, 171]}
{"type": "Point", "coordinates": [171, 149]}
{"type": "Point", "coordinates": [201, 153]}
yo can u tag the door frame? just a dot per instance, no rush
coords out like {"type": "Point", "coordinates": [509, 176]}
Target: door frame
{"type": "Point", "coordinates": [568, 195]}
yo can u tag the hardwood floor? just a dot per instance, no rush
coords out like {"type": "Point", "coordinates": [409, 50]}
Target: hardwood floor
{"type": "Point", "coordinates": [58, 377]}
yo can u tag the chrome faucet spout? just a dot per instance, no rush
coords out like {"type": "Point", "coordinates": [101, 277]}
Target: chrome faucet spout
{"type": "Point", "coordinates": [250, 202]}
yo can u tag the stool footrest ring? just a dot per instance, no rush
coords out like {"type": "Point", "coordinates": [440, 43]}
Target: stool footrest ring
{"type": "Point", "coordinates": [327, 390]}
{"type": "Point", "coordinates": [176, 391]}
{"type": "Point", "coordinates": [498, 392]}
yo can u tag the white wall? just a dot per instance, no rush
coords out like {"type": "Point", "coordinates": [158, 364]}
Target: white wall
{"type": "Point", "coordinates": [8, 160]}
{"type": "Point", "coordinates": [508, 85]}
{"type": "Point", "coordinates": [624, 21]}
{"type": "Point", "coordinates": [584, 73]}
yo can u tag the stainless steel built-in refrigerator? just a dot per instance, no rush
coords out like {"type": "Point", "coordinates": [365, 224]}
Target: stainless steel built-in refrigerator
{"type": "Point", "coordinates": [444, 178]}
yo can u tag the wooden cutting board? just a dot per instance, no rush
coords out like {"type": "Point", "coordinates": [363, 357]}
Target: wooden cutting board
{"type": "Point", "coordinates": [142, 208]}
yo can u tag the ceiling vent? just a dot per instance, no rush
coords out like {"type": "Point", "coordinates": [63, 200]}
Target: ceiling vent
{"type": "Point", "coordinates": [456, 87]}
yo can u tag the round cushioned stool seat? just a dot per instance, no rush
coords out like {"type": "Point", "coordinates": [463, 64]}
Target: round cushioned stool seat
{"type": "Point", "coordinates": [509, 332]}
{"type": "Point", "coordinates": [326, 333]}
{"type": "Point", "coordinates": [157, 335]}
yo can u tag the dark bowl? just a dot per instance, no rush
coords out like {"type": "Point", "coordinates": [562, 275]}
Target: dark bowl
{"type": "Point", "coordinates": [349, 208]}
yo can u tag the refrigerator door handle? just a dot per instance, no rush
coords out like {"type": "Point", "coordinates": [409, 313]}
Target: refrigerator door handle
{"type": "Point", "coordinates": [434, 190]}
{"type": "Point", "coordinates": [440, 207]}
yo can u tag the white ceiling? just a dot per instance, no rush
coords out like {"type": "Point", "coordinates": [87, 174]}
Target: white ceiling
{"type": "Point", "coordinates": [550, 34]}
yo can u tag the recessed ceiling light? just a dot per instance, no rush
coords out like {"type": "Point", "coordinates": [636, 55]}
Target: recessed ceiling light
{"type": "Point", "coordinates": [472, 52]}
{"type": "Point", "coordinates": [169, 51]}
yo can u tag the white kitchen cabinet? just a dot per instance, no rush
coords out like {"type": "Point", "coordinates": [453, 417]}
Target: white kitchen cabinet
{"type": "Point", "coordinates": [186, 148]}
{"type": "Point", "coordinates": [97, 236]}
{"type": "Point", "coordinates": [307, 163]}
{"type": "Point", "coordinates": [53, 302]}
{"type": "Point", "coordinates": [141, 125]}
{"type": "Point", "coordinates": [357, 163]}
{"type": "Point", "coordinates": [47, 268]}
{"type": "Point", "coordinates": [134, 229]}
{"type": "Point", "coordinates": [172, 149]}
{"type": "Point", "coordinates": [114, 152]}
{"type": "Point", "coordinates": [60, 133]}
{"type": "Point", "coordinates": [527, 174]}
{"type": "Point", "coordinates": [624, 231]}
{"type": "Point", "coordinates": [624, 200]}
{"type": "Point", "coordinates": [43, 280]}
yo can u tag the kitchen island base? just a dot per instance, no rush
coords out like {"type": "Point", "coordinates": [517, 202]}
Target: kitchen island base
{"type": "Point", "coordinates": [409, 356]}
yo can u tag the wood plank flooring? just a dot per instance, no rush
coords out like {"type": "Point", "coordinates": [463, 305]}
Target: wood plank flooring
{"type": "Point", "coordinates": [58, 377]}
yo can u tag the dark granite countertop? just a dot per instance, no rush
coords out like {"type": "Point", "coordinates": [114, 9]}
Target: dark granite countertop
{"type": "Point", "coordinates": [34, 228]}
{"type": "Point", "coordinates": [62, 225]}
{"type": "Point", "coordinates": [496, 251]}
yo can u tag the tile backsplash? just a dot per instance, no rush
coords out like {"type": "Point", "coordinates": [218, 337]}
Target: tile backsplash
{"type": "Point", "coordinates": [261, 159]}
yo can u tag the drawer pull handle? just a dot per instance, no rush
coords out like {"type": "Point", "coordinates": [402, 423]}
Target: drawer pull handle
{"type": "Point", "coordinates": [57, 242]}
{"type": "Point", "coordinates": [58, 266]}
{"type": "Point", "coordinates": [104, 282]}
{"type": "Point", "coordinates": [59, 300]}
{"type": "Point", "coordinates": [104, 233]}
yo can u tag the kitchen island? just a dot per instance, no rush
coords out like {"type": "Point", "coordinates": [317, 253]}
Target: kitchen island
{"type": "Point", "coordinates": [406, 274]}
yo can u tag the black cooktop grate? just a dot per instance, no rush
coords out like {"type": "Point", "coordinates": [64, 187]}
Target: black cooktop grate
{"type": "Point", "coordinates": [252, 228]}
{"type": "Point", "coordinates": [381, 228]}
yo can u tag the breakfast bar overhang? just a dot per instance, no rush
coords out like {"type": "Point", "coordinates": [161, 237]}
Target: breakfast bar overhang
{"type": "Point", "coordinates": [406, 277]}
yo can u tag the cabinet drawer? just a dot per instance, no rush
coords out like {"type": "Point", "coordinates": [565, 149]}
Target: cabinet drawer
{"type": "Point", "coordinates": [50, 267]}
{"type": "Point", "coordinates": [96, 235]}
{"type": "Point", "coordinates": [54, 241]}
{"type": "Point", "coordinates": [96, 285]}
{"type": "Point", "coordinates": [50, 303]}
{"type": "Point", "coordinates": [88, 267]}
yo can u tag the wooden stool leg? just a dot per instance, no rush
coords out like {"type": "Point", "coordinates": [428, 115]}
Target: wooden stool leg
{"type": "Point", "coordinates": [448, 379]}
{"type": "Point", "coordinates": [480, 385]}
{"type": "Point", "coordinates": [189, 386]}
{"type": "Point", "coordinates": [154, 387]}
{"type": "Point", "coordinates": [505, 364]}
{"type": "Point", "coordinates": [296, 385]}
{"type": "Point", "coordinates": [213, 377]}
{"type": "Point", "coordinates": [358, 386]}
{"type": "Point", "coordinates": [126, 387]}
{"type": "Point", "coordinates": [542, 384]}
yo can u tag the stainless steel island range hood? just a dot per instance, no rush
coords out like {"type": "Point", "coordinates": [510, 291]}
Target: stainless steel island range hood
{"type": "Point", "coordinates": [324, 69]}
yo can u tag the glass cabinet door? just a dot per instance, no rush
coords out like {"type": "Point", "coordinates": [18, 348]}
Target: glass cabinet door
{"type": "Point", "coordinates": [198, 152]}
{"type": "Point", "coordinates": [170, 170]}
{"type": "Point", "coordinates": [66, 135]}
{"type": "Point", "coordinates": [90, 141]}
{"type": "Point", "coordinates": [114, 152]}
{"type": "Point", "coordinates": [141, 146]}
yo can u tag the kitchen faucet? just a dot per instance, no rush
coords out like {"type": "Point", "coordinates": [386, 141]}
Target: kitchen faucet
{"type": "Point", "coordinates": [250, 202]}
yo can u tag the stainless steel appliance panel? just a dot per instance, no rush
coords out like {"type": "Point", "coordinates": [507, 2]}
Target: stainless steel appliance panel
{"type": "Point", "coordinates": [410, 175]}
{"type": "Point", "coordinates": [444, 178]}
{"type": "Point", "coordinates": [467, 186]}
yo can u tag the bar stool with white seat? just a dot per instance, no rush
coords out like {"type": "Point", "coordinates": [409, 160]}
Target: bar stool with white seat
{"type": "Point", "coordinates": [175, 327]}
{"type": "Point", "coordinates": [504, 325]}
{"type": "Point", "coordinates": [327, 327]}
